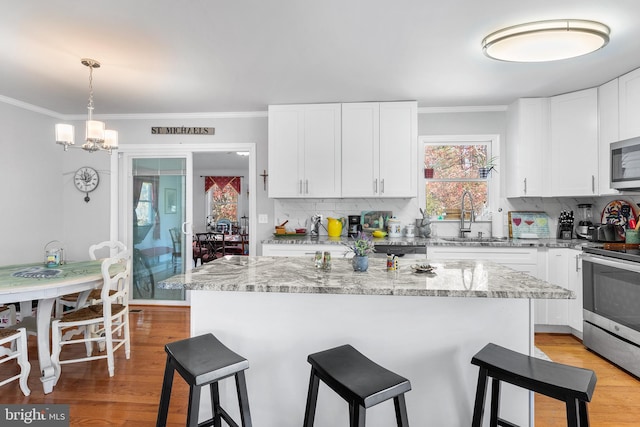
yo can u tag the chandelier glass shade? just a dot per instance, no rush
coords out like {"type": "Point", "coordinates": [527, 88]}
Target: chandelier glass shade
{"type": "Point", "coordinates": [544, 41]}
{"type": "Point", "coordinates": [96, 136]}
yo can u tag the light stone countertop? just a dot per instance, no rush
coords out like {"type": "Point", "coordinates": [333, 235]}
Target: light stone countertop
{"type": "Point", "coordinates": [483, 279]}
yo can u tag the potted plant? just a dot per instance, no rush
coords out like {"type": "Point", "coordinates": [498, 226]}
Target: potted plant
{"type": "Point", "coordinates": [485, 167]}
{"type": "Point", "coordinates": [361, 246]}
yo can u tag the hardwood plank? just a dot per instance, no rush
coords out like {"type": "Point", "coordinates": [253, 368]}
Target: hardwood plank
{"type": "Point", "coordinates": [131, 397]}
{"type": "Point", "coordinates": [616, 399]}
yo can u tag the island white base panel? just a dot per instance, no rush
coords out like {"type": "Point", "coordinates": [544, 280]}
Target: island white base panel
{"type": "Point", "coordinates": [429, 340]}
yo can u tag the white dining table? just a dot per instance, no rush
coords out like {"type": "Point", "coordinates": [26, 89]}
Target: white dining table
{"type": "Point", "coordinates": [27, 282]}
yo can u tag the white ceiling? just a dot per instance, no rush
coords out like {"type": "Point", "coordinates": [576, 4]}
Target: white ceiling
{"type": "Point", "coordinates": [196, 56]}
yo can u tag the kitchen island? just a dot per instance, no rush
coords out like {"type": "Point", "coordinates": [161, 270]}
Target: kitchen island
{"type": "Point", "coordinates": [275, 311]}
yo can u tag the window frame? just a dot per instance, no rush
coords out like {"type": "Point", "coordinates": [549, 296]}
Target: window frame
{"type": "Point", "coordinates": [493, 180]}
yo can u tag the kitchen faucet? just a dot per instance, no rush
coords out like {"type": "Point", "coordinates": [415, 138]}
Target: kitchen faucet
{"type": "Point", "coordinates": [463, 211]}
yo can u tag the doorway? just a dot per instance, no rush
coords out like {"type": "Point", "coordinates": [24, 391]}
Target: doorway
{"type": "Point", "coordinates": [160, 224]}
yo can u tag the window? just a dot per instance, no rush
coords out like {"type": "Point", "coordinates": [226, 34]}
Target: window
{"type": "Point", "coordinates": [451, 167]}
{"type": "Point", "coordinates": [144, 207]}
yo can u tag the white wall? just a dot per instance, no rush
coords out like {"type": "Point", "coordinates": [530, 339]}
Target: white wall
{"type": "Point", "coordinates": [32, 171]}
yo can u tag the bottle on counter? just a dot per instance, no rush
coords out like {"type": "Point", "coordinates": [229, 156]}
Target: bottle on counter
{"type": "Point", "coordinates": [326, 261]}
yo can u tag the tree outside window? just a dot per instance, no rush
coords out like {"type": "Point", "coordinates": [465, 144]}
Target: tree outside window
{"type": "Point", "coordinates": [455, 169]}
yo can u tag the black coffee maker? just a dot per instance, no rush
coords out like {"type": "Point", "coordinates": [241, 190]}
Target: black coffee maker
{"type": "Point", "coordinates": [354, 225]}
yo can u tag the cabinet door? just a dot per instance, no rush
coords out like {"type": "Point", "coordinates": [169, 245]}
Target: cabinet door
{"type": "Point", "coordinates": [608, 131]}
{"type": "Point", "coordinates": [398, 149]}
{"type": "Point", "coordinates": [527, 147]}
{"type": "Point", "coordinates": [304, 150]}
{"type": "Point", "coordinates": [557, 309]}
{"type": "Point", "coordinates": [629, 92]}
{"type": "Point", "coordinates": [286, 150]}
{"type": "Point", "coordinates": [574, 141]}
{"type": "Point", "coordinates": [575, 285]}
{"type": "Point", "coordinates": [322, 145]}
{"type": "Point", "coordinates": [360, 149]}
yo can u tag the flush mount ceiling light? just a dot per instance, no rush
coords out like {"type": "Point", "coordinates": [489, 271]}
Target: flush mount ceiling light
{"type": "Point", "coordinates": [546, 40]}
{"type": "Point", "coordinates": [97, 137]}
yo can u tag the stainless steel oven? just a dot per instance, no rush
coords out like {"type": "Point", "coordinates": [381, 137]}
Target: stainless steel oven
{"type": "Point", "coordinates": [611, 297]}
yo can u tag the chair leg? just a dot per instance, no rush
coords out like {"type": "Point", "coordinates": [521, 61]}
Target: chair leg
{"type": "Point", "coordinates": [243, 399]}
{"type": "Point", "coordinates": [23, 361]}
{"type": "Point", "coordinates": [127, 334]}
{"type": "Point", "coordinates": [495, 402]}
{"type": "Point", "coordinates": [215, 404]}
{"type": "Point", "coordinates": [312, 399]}
{"type": "Point", "coordinates": [572, 413]}
{"type": "Point", "coordinates": [194, 406]}
{"type": "Point", "coordinates": [481, 391]}
{"type": "Point", "coordinates": [108, 337]}
{"type": "Point", "coordinates": [583, 413]}
{"type": "Point", "coordinates": [165, 395]}
{"type": "Point", "coordinates": [357, 415]}
{"type": "Point", "coordinates": [401, 411]}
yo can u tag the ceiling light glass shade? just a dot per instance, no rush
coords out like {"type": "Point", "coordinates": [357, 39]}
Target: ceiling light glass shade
{"type": "Point", "coordinates": [110, 139]}
{"type": "Point", "coordinates": [546, 40]}
{"type": "Point", "coordinates": [65, 134]}
{"type": "Point", "coordinates": [95, 131]}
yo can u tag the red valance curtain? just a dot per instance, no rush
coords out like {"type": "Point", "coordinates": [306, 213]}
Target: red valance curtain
{"type": "Point", "coordinates": [221, 182]}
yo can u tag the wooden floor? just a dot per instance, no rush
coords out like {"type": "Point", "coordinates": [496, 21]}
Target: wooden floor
{"type": "Point", "coordinates": [131, 397]}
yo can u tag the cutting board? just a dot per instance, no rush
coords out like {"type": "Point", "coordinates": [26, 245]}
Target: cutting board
{"type": "Point", "coordinates": [528, 225]}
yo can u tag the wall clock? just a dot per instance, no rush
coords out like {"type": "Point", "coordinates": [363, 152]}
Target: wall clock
{"type": "Point", "coordinates": [86, 179]}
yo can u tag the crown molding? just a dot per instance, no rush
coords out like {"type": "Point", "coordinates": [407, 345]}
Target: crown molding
{"type": "Point", "coordinates": [30, 107]}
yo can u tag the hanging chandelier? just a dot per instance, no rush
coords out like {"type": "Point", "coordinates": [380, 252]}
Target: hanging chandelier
{"type": "Point", "coordinates": [97, 137]}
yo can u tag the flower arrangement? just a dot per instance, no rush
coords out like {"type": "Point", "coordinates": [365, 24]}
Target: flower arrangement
{"type": "Point", "coordinates": [361, 245]}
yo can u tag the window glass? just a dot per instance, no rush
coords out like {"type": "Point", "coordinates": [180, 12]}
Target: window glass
{"type": "Point", "coordinates": [450, 169]}
{"type": "Point", "coordinates": [144, 208]}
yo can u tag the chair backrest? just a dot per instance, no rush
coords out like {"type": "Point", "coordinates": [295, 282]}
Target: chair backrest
{"type": "Point", "coordinates": [223, 226]}
{"type": "Point", "coordinates": [176, 239]}
{"type": "Point", "coordinates": [113, 246]}
{"type": "Point", "coordinates": [116, 274]}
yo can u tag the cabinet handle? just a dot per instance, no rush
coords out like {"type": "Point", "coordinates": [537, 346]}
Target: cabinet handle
{"type": "Point", "coordinates": [525, 186]}
{"type": "Point", "coordinates": [306, 186]}
{"type": "Point", "coordinates": [382, 186]}
{"type": "Point", "coordinates": [593, 184]}
{"type": "Point", "coordinates": [375, 186]}
{"type": "Point", "coordinates": [300, 187]}
{"type": "Point", "coordinates": [578, 262]}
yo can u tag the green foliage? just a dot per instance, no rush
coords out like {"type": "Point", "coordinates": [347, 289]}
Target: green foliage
{"type": "Point", "coordinates": [361, 245]}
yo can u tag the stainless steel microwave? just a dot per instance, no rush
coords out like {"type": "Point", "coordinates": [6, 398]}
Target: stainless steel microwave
{"type": "Point", "coordinates": [625, 164]}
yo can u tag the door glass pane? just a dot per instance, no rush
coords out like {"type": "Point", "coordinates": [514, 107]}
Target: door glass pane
{"type": "Point", "coordinates": [158, 214]}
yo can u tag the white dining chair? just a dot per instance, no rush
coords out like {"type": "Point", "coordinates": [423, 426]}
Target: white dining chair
{"type": "Point", "coordinates": [106, 322]}
{"type": "Point", "coordinates": [106, 248]}
{"type": "Point", "coordinates": [17, 350]}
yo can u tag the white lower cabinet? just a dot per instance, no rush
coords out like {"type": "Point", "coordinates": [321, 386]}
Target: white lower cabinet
{"type": "Point", "coordinates": [520, 259]}
{"type": "Point", "coordinates": [563, 268]}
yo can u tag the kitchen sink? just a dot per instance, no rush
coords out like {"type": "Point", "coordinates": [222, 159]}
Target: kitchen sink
{"type": "Point", "coordinates": [473, 239]}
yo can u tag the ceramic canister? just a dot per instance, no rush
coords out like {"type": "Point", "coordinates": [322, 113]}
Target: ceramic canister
{"type": "Point", "coordinates": [394, 228]}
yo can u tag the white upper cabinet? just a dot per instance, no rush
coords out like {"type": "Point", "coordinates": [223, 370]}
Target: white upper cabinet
{"type": "Point", "coordinates": [629, 99]}
{"type": "Point", "coordinates": [574, 142]}
{"type": "Point", "coordinates": [608, 132]}
{"type": "Point", "coordinates": [304, 150]}
{"type": "Point", "coordinates": [527, 148]}
{"type": "Point", "coordinates": [379, 149]}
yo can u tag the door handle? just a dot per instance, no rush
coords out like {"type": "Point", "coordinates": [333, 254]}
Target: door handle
{"type": "Point", "coordinates": [184, 227]}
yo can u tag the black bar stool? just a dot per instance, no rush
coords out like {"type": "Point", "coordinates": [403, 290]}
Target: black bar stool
{"type": "Point", "coordinates": [358, 380]}
{"type": "Point", "coordinates": [572, 385]}
{"type": "Point", "coordinates": [200, 361]}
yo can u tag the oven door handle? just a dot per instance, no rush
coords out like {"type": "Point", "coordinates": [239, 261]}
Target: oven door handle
{"type": "Point", "coordinates": [614, 263]}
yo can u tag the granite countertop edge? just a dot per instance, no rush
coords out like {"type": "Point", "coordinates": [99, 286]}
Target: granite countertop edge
{"type": "Point", "coordinates": [296, 275]}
